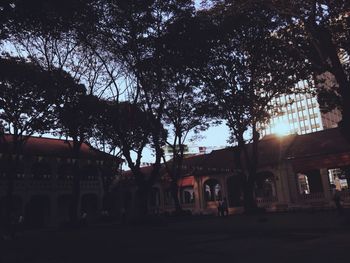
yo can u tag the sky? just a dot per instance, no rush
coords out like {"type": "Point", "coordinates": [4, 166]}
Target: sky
{"type": "Point", "coordinates": [215, 136]}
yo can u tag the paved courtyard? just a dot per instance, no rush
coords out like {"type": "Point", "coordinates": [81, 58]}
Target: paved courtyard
{"type": "Point", "coordinates": [295, 237]}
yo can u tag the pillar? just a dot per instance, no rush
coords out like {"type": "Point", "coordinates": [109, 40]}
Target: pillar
{"type": "Point", "coordinates": [325, 184]}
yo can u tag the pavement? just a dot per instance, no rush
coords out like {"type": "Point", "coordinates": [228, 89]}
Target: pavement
{"type": "Point", "coordinates": [289, 237]}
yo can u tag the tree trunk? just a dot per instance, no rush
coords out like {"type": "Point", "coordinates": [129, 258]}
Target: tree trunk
{"type": "Point", "coordinates": [249, 201]}
{"type": "Point", "coordinates": [12, 165]}
{"type": "Point", "coordinates": [327, 49]}
{"type": "Point", "coordinates": [174, 192]}
{"type": "Point", "coordinates": [74, 206]}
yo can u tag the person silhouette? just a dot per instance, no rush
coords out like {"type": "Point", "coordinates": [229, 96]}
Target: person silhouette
{"type": "Point", "coordinates": [337, 200]}
{"type": "Point", "coordinates": [220, 208]}
{"type": "Point", "coordinates": [224, 207]}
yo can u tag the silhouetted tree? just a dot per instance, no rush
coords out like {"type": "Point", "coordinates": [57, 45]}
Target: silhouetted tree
{"type": "Point", "coordinates": [77, 116]}
{"type": "Point", "coordinates": [125, 127]}
{"type": "Point", "coordinates": [129, 31]}
{"type": "Point", "coordinates": [319, 31]}
{"type": "Point", "coordinates": [27, 98]}
{"type": "Point", "coordinates": [184, 111]}
{"type": "Point", "coordinates": [247, 67]}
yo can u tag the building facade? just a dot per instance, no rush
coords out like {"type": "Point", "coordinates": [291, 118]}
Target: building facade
{"type": "Point", "coordinates": [43, 172]}
{"type": "Point", "coordinates": [295, 172]}
{"type": "Point", "coordinates": [300, 114]}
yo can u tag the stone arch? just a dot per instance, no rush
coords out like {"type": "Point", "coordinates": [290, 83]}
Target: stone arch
{"type": "Point", "coordinates": [212, 190]}
{"type": "Point", "coordinates": [303, 183]}
{"type": "Point", "coordinates": [187, 195]}
{"type": "Point", "coordinates": [38, 211]}
{"type": "Point", "coordinates": [265, 185]}
{"type": "Point", "coordinates": [310, 182]}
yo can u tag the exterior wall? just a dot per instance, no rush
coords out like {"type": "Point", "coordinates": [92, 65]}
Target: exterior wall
{"type": "Point", "coordinates": [51, 187]}
{"type": "Point", "coordinates": [288, 196]}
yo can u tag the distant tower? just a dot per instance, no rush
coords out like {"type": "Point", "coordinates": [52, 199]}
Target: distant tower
{"type": "Point", "coordinates": [301, 114]}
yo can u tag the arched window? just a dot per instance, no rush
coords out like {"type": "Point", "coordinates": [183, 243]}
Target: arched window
{"type": "Point", "coordinates": [265, 185]}
{"type": "Point", "coordinates": [303, 184]}
{"type": "Point", "coordinates": [187, 195]}
{"type": "Point", "coordinates": [212, 190]}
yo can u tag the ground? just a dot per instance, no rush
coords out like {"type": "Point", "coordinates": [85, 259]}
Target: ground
{"type": "Point", "coordinates": [293, 237]}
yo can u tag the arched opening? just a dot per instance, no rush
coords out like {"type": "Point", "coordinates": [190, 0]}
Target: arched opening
{"type": "Point", "coordinates": [186, 191]}
{"type": "Point", "coordinates": [303, 184]}
{"type": "Point", "coordinates": [38, 211]}
{"type": "Point", "coordinates": [340, 177]}
{"type": "Point", "coordinates": [89, 205]}
{"type": "Point", "coordinates": [187, 195]}
{"type": "Point", "coordinates": [235, 190]}
{"type": "Point", "coordinates": [310, 182]}
{"type": "Point", "coordinates": [212, 190]}
{"type": "Point", "coordinates": [265, 185]}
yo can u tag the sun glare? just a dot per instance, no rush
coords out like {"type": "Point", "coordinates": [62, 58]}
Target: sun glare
{"type": "Point", "coordinates": [281, 128]}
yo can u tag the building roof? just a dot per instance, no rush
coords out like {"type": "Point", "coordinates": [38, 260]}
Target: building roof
{"type": "Point", "coordinates": [327, 148]}
{"type": "Point", "coordinates": [324, 142]}
{"type": "Point", "coordinates": [271, 150]}
{"type": "Point", "coordinates": [40, 146]}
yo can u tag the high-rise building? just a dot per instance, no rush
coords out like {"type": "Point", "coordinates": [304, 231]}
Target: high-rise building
{"type": "Point", "coordinates": [299, 114]}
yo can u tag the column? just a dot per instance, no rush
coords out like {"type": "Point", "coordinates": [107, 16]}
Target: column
{"type": "Point", "coordinates": [325, 184]}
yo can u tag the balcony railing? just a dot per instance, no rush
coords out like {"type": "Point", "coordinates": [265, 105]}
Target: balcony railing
{"type": "Point", "coordinates": [311, 196]}
{"type": "Point", "coordinates": [266, 200]}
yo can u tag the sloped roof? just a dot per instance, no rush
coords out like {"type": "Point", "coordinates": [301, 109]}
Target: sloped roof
{"type": "Point", "coordinates": [146, 170]}
{"type": "Point", "coordinates": [325, 148]}
{"type": "Point", "coordinates": [271, 150]}
{"type": "Point", "coordinates": [324, 142]}
{"type": "Point", "coordinates": [40, 146]}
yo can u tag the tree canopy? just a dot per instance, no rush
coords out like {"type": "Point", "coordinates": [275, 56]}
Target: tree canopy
{"type": "Point", "coordinates": [136, 74]}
